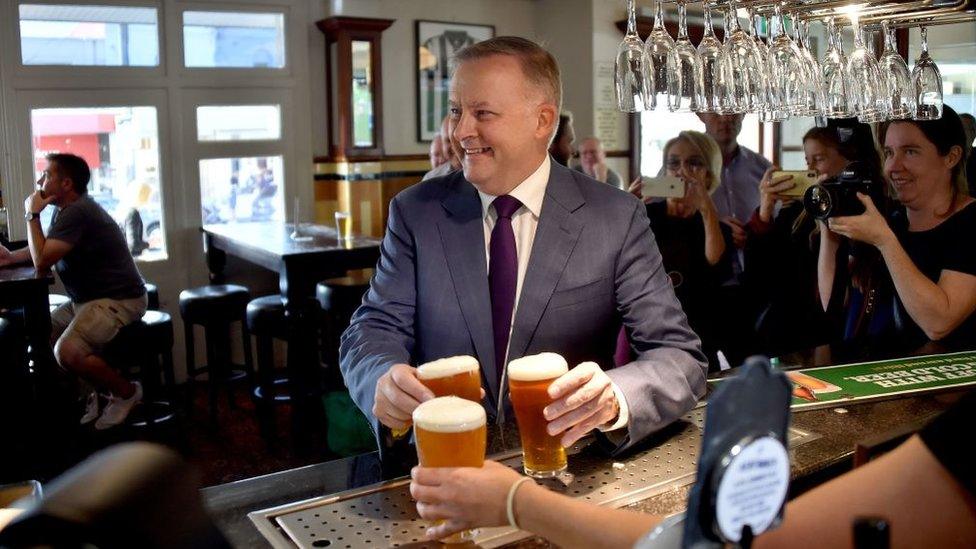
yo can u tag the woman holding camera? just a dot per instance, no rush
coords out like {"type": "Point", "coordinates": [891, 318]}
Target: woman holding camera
{"type": "Point", "coordinates": [925, 247]}
{"type": "Point", "coordinates": [695, 246]}
{"type": "Point", "coordinates": [782, 253]}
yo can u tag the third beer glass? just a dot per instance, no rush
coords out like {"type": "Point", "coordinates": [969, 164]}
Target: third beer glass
{"type": "Point", "coordinates": [457, 375]}
{"type": "Point", "coordinates": [528, 381]}
{"type": "Point", "coordinates": [451, 432]}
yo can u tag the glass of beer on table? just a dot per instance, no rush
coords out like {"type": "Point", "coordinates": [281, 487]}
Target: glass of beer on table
{"type": "Point", "coordinates": [528, 383]}
{"type": "Point", "coordinates": [457, 375]}
{"type": "Point", "coordinates": [451, 432]}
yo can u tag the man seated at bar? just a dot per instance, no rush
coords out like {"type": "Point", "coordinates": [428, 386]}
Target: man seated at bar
{"type": "Point", "coordinates": [107, 292]}
{"type": "Point", "coordinates": [517, 255]}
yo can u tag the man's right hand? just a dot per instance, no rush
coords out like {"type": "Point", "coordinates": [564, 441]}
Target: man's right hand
{"type": "Point", "coordinates": [398, 392]}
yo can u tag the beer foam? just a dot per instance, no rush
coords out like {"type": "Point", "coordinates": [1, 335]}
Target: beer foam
{"type": "Point", "coordinates": [537, 367]}
{"type": "Point", "coordinates": [449, 414]}
{"type": "Point", "coordinates": [450, 366]}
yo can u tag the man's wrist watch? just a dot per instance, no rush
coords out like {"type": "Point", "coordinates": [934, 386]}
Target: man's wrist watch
{"type": "Point", "coordinates": [31, 216]}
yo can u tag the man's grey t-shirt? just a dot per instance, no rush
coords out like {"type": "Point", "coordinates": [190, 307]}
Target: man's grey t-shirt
{"type": "Point", "coordinates": [99, 264]}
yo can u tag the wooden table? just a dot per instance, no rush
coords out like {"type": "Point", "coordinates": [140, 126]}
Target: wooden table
{"type": "Point", "coordinates": [300, 266]}
{"type": "Point", "coordinates": [22, 286]}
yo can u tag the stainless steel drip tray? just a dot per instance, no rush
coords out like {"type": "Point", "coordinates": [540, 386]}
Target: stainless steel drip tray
{"type": "Point", "coordinates": [384, 515]}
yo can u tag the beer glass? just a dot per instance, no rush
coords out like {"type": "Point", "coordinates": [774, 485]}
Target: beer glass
{"type": "Point", "coordinates": [528, 382]}
{"type": "Point", "coordinates": [451, 432]}
{"type": "Point", "coordinates": [457, 375]}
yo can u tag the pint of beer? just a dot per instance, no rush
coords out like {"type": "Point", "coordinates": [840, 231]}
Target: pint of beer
{"type": "Point", "coordinates": [457, 375]}
{"type": "Point", "coordinates": [451, 432]}
{"type": "Point", "coordinates": [528, 381]}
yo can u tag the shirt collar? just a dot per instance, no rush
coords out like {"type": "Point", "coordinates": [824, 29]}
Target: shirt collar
{"type": "Point", "coordinates": [530, 192]}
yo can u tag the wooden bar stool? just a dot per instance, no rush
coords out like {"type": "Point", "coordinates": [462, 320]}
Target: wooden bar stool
{"type": "Point", "coordinates": [338, 299]}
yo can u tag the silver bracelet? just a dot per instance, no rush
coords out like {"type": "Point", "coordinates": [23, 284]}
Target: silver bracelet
{"type": "Point", "coordinates": [510, 504]}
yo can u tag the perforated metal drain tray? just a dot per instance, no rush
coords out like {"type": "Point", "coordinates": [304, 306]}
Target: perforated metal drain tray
{"type": "Point", "coordinates": [383, 515]}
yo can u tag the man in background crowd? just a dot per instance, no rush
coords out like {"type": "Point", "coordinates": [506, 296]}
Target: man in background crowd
{"type": "Point", "coordinates": [443, 159]}
{"type": "Point", "coordinates": [736, 198]}
{"type": "Point", "coordinates": [561, 148]}
{"type": "Point", "coordinates": [593, 162]}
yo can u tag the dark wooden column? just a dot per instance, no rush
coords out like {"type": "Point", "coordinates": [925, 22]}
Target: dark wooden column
{"type": "Point", "coordinates": [340, 33]}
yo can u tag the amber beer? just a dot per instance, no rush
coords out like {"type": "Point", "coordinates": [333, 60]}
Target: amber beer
{"type": "Point", "coordinates": [459, 376]}
{"type": "Point", "coordinates": [528, 382]}
{"type": "Point", "coordinates": [451, 432]}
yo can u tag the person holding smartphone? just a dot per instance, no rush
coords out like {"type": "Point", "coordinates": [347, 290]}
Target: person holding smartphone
{"type": "Point", "coordinates": [786, 240]}
{"type": "Point", "coordinates": [696, 247]}
{"type": "Point", "coordinates": [923, 245]}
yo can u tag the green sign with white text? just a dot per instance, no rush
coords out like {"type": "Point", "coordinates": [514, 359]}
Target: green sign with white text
{"type": "Point", "coordinates": [814, 387]}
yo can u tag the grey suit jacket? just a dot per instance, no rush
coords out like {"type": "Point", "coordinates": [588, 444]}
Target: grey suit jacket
{"type": "Point", "coordinates": [594, 266]}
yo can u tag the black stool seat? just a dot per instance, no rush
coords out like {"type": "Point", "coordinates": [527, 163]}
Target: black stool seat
{"type": "Point", "coordinates": [147, 343]}
{"type": "Point", "coordinates": [345, 292]}
{"type": "Point", "coordinates": [266, 315]}
{"type": "Point", "coordinates": [56, 300]}
{"type": "Point", "coordinates": [216, 303]}
{"type": "Point", "coordinates": [152, 296]}
{"type": "Point", "coordinates": [216, 307]}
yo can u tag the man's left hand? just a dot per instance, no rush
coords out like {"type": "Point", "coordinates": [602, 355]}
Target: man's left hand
{"type": "Point", "coordinates": [36, 203]}
{"type": "Point", "coordinates": [583, 399]}
{"type": "Point", "coordinates": [739, 235]}
{"type": "Point", "coordinates": [869, 227]}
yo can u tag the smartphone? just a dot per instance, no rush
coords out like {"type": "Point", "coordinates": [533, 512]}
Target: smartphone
{"type": "Point", "coordinates": [802, 180]}
{"type": "Point", "coordinates": [665, 186]}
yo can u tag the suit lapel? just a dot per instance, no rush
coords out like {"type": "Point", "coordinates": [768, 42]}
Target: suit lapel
{"type": "Point", "coordinates": [463, 237]}
{"type": "Point", "coordinates": [555, 238]}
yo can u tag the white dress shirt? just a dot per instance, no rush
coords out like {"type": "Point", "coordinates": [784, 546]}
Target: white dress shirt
{"type": "Point", "coordinates": [531, 193]}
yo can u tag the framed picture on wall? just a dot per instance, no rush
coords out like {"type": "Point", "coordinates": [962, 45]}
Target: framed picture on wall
{"type": "Point", "coordinates": [437, 42]}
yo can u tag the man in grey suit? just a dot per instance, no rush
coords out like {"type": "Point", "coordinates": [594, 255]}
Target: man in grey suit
{"type": "Point", "coordinates": [516, 255]}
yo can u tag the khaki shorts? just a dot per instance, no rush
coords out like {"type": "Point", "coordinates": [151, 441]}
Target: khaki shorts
{"type": "Point", "coordinates": [93, 324]}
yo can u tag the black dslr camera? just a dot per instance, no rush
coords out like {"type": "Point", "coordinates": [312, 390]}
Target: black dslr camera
{"type": "Point", "coordinates": [837, 197]}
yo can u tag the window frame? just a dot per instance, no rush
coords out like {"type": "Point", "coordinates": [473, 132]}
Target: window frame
{"type": "Point", "coordinates": [87, 71]}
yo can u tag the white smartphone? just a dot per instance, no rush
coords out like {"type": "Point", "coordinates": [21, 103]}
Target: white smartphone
{"type": "Point", "coordinates": [665, 186]}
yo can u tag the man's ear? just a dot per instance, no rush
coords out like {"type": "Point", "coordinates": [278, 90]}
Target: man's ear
{"type": "Point", "coordinates": [548, 117]}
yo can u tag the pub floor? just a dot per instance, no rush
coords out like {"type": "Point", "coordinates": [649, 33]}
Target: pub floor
{"type": "Point", "coordinates": [232, 450]}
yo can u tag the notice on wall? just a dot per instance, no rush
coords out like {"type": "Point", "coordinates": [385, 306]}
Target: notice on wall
{"type": "Point", "coordinates": [872, 380]}
{"type": "Point", "coordinates": [609, 124]}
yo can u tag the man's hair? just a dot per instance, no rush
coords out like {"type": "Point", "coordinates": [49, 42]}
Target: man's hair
{"type": "Point", "coordinates": [538, 65]}
{"type": "Point", "coordinates": [73, 167]}
{"type": "Point", "coordinates": [565, 120]}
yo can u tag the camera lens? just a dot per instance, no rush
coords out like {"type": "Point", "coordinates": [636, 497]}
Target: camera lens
{"type": "Point", "coordinates": [818, 202]}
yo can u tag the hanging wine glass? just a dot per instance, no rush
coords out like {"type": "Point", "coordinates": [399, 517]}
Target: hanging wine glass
{"type": "Point", "coordinates": [928, 84]}
{"type": "Point", "coordinates": [785, 69]}
{"type": "Point", "coordinates": [837, 102]}
{"type": "Point", "coordinates": [712, 61]}
{"type": "Point", "coordinates": [687, 94]}
{"type": "Point", "coordinates": [895, 71]}
{"type": "Point", "coordinates": [812, 92]}
{"type": "Point", "coordinates": [765, 113]}
{"type": "Point", "coordinates": [631, 75]}
{"type": "Point", "coordinates": [727, 101]}
{"type": "Point", "coordinates": [660, 48]}
{"type": "Point", "coordinates": [746, 86]}
{"type": "Point", "coordinates": [868, 90]}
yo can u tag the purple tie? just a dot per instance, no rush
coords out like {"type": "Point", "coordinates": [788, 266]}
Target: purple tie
{"type": "Point", "coordinates": [502, 276]}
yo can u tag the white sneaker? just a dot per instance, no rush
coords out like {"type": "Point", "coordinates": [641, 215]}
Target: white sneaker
{"type": "Point", "coordinates": [118, 409]}
{"type": "Point", "coordinates": [91, 408]}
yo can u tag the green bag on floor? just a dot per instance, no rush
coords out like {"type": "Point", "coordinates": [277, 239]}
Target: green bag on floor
{"type": "Point", "coordinates": [349, 433]}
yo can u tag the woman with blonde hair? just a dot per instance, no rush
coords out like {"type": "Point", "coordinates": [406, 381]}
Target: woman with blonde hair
{"type": "Point", "coordinates": [695, 246]}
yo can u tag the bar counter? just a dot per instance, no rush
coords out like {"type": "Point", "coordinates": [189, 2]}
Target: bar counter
{"type": "Point", "coordinates": [824, 449]}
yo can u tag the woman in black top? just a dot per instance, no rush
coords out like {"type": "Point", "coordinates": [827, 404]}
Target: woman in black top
{"type": "Point", "coordinates": [782, 250]}
{"type": "Point", "coordinates": [927, 248]}
{"type": "Point", "coordinates": [694, 246]}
